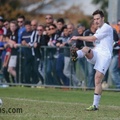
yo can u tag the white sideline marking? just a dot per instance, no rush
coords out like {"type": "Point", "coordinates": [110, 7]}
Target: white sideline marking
{"type": "Point", "coordinates": [28, 115]}
{"type": "Point", "coordinates": [42, 101]}
{"type": "Point", "coordinates": [57, 102]}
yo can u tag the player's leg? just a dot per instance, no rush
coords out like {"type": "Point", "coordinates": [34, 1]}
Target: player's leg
{"type": "Point", "coordinates": [98, 88]}
{"type": "Point", "coordinates": [97, 92]}
{"type": "Point", "coordinates": [98, 80]}
{"type": "Point", "coordinates": [101, 66]}
{"type": "Point", "coordinates": [85, 51]}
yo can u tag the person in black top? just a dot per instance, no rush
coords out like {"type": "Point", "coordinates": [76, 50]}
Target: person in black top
{"type": "Point", "coordinates": [39, 40]}
{"type": "Point", "coordinates": [60, 25]}
{"type": "Point", "coordinates": [52, 78]}
{"type": "Point", "coordinates": [13, 40]}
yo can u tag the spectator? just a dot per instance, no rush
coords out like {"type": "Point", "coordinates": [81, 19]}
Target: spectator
{"type": "Point", "coordinates": [40, 40]}
{"type": "Point", "coordinates": [69, 67]}
{"type": "Point", "coordinates": [71, 29]}
{"type": "Point", "coordinates": [21, 29]}
{"type": "Point", "coordinates": [13, 40]}
{"type": "Point", "coordinates": [34, 24]}
{"type": "Point", "coordinates": [63, 52]}
{"type": "Point", "coordinates": [49, 19]}
{"type": "Point", "coordinates": [21, 22]}
{"type": "Point", "coordinates": [7, 25]}
{"type": "Point", "coordinates": [5, 55]}
{"type": "Point", "coordinates": [60, 24]}
{"type": "Point", "coordinates": [52, 78]}
{"type": "Point", "coordinates": [27, 52]}
{"type": "Point", "coordinates": [114, 67]}
{"type": "Point", "coordinates": [118, 24]}
{"type": "Point", "coordinates": [79, 45]}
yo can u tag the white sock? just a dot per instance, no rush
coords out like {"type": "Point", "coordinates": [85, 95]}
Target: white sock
{"type": "Point", "coordinates": [96, 100]}
{"type": "Point", "coordinates": [80, 53]}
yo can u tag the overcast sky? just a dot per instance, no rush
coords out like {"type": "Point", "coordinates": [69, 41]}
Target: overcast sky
{"type": "Point", "coordinates": [60, 5]}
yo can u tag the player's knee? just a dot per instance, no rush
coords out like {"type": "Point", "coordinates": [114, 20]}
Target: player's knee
{"type": "Point", "coordinates": [98, 79]}
{"type": "Point", "coordinates": [86, 49]}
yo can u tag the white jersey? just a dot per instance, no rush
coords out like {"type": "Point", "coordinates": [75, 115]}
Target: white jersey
{"type": "Point", "coordinates": [104, 41]}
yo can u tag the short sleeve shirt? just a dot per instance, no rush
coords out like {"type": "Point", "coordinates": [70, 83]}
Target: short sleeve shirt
{"type": "Point", "coordinates": [104, 41]}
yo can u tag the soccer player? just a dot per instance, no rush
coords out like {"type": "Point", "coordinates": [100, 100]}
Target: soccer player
{"type": "Point", "coordinates": [100, 55]}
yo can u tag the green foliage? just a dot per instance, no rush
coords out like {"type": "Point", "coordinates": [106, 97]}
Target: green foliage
{"type": "Point", "coordinates": [84, 22]}
{"type": "Point", "coordinates": [9, 9]}
{"type": "Point", "coordinates": [12, 3]}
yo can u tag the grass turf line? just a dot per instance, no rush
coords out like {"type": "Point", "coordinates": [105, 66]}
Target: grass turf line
{"type": "Point", "coordinates": [57, 104]}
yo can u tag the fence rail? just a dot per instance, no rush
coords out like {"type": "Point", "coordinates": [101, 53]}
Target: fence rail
{"type": "Point", "coordinates": [52, 68]}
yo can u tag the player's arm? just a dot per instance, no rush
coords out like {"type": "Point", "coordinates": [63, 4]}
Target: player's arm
{"type": "Point", "coordinates": [11, 42]}
{"type": "Point", "coordinates": [24, 43]}
{"type": "Point", "coordinates": [84, 38]}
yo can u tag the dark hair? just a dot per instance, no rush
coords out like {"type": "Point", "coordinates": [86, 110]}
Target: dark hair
{"type": "Point", "coordinates": [6, 20]}
{"type": "Point", "coordinates": [53, 25]}
{"type": "Point", "coordinates": [7, 35]}
{"type": "Point", "coordinates": [64, 27]}
{"type": "Point", "coordinates": [22, 16]}
{"type": "Point", "coordinates": [60, 20]}
{"type": "Point", "coordinates": [98, 12]}
{"type": "Point", "coordinates": [27, 23]}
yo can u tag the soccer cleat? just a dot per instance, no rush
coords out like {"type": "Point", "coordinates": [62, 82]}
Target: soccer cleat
{"type": "Point", "coordinates": [92, 108]}
{"type": "Point", "coordinates": [73, 54]}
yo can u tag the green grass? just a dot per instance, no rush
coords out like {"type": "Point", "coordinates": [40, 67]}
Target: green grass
{"type": "Point", "coordinates": [57, 104]}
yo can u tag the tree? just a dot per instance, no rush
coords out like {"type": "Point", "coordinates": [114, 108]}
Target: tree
{"type": "Point", "coordinates": [9, 9]}
{"type": "Point", "coordinates": [12, 3]}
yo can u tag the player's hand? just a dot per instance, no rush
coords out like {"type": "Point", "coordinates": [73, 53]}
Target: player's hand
{"type": "Point", "coordinates": [74, 38]}
{"type": "Point", "coordinates": [35, 45]}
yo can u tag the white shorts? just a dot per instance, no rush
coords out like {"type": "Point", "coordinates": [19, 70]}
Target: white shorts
{"type": "Point", "coordinates": [101, 62]}
{"type": "Point", "coordinates": [12, 61]}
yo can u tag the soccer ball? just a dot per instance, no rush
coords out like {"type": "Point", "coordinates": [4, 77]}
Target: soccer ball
{"type": "Point", "coordinates": [1, 102]}
{"type": "Point", "coordinates": [105, 85]}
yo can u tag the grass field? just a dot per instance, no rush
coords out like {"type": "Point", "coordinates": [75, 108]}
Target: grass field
{"type": "Point", "coordinates": [56, 104]}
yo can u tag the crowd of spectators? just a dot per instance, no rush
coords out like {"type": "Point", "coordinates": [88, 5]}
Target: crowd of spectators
{"type": "Point", "coordinates": [35, 53]}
